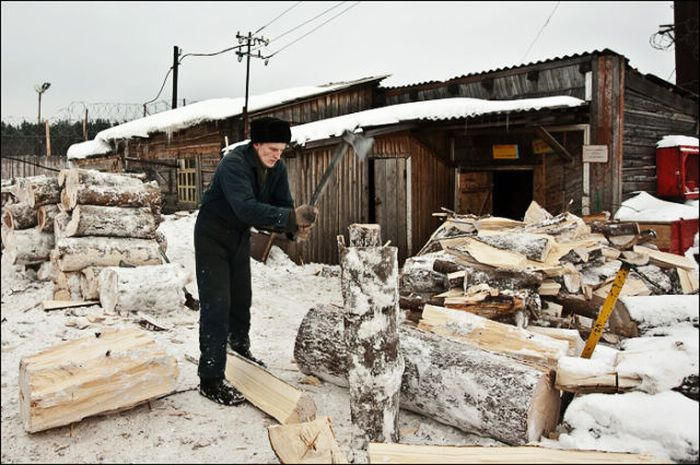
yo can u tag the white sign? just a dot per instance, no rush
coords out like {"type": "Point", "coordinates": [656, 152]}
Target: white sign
{"type": "Point", "coordinates": [595, 153]}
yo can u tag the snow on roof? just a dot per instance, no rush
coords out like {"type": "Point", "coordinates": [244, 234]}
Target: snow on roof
{"type": "Point", "coordinates": [646, 207]}
{"type": "Point", "coordinates": [434, 110]}
{"type": "Point", "coordinates": [677, 141]}
{"type": "Point", "coordinates": [209, 110]}
{"type": "Point", "coordinates": [88, 148]}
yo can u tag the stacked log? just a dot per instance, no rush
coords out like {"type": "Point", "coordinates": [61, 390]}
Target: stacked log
{"type": "Point", "coordinates": [104, 220]}
{"type": "Point", "coordinates": [26, 243]}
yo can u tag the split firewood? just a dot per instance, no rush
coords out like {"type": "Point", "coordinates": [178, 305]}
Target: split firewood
{"type": "Point", "coordinates": [405, 453]}
{"type": "Point", "coordinates": [27, 246]}
{"type": "Point", "coordinates": [492, 307]}
{"type": "Point", "coordinates": [536, 214]}
{"type": "Point", "coordinates": [308, 442]}
{"type": "Point", "coordinates": [665, 259]}
{"type": "Point", "coordinates": [270, 394]}
{"type": "Point", "coordinates": [533, 246]}
{"type": "Point", "coordinates": [506, 399]}
{"type": "Point", "coordinates": [90, 187]}
{"type": "Point", "coordinates": [688, 280]}
{"type": "Point", "coordinates": [91, 376]}
{"type": "Point", "coordinates": [95, 220]}
{"type": "Point", "coordinates": [76, 253]}
{"type": "Point", "coordinates": [638, 259]}
{"type": "Point", "coordinates": [581, 375]}
{"type": "Point", "coordinates": [497, 223]}
{"type": "Point", "coordinates": [417, 275]}
{"type": "Point", "coordinates": [549, 287]}
{"type": "Point", "coordinates": [571, 336]}
{"type": "Point", "coordinates": [653, 315]}
{"type": "Point", "coordinates": [45, 217]}
{"type": "Point", "coordinates": [615, 229]}
{"type": "Point", "coordinates": [19, 216]}
{"type": "Point", "coordinates": [153, 289]}
{"type": "Point", "coordinates": [537, 350]}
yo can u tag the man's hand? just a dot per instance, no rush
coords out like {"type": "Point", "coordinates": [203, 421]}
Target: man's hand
{"type": "Point", "coordinates": [303, 233]}
{"type": "Point", "coordinates": [305, 215]}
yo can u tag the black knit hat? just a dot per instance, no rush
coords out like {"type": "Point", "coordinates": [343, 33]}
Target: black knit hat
{"type": "Point", "coordinates": [270, 129]}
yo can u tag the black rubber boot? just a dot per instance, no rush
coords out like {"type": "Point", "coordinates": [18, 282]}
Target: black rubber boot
{"type": "Point", "coordinates": [241, 345]}
{"type": "Point", "coordinates": [220, 390]}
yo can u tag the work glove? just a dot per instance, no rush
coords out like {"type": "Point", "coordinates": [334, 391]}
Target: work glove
{"type": "Point", "coordinates": [305, 215]}
{"type": "Point", "coordinates": [303, 233]}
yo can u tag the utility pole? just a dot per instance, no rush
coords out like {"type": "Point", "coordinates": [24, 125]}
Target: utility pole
{"type": "Point", "coordinates": [85, 132]}
{"type": "Point", "coordinates": [249, 41]}
{"type": "Point", "coordinates": [176, 56]}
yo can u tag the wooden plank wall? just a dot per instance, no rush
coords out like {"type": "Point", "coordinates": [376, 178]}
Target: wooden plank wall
{"type": "Point", "coordinates": [24, 166]}
{"type": "Point", "coordinates": [566, 77]}
{"type": "Point", "coordinates": [338, 103]}
{"type": "Point", "coordinates": [650, 113]}
{"type": "Point", "coordinates": [564, 181]}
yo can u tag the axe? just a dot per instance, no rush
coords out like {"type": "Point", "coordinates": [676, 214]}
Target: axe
{"type": "Point", "coordinates": [360, 144]}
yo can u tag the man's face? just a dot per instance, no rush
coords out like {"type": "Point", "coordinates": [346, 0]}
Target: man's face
{"type": "Point", "coordinates": [269, 152]}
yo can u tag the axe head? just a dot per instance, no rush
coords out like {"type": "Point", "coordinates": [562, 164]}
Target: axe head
{"type": "Point", "coordinates": [360, 144]}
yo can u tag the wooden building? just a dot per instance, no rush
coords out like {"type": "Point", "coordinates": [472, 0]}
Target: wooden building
{"type": "Point", "coordinates": [183, 155]}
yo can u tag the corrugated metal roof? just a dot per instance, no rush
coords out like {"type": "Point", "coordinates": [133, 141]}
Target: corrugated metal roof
{"type": "Point", "coordinates": [605, 51]}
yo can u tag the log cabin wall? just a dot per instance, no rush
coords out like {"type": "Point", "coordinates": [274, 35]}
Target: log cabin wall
{"type": "Point", "coordinates": [652, 110]}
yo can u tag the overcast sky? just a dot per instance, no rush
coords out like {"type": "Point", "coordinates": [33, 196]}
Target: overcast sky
{"type": "Point", "coordinates": [120, 52]}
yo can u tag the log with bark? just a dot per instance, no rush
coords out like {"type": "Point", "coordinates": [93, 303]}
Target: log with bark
{"type": "Point", "coordinates": [60, 222]}
{"type": "Point", "coordinates": [70, 281]}
{"type": "Point", "coordinates": [497, 307]}
{"type": "Point", "coordinates": [76, 253]}
{"type": "Point", "coordinates": [95, 220]}
{"type": "Point", "coordinates": [45, 216]}
{"type": "Point", "coordinates": [90, 187]}
{"type": "Point", "coordinates": [635, 316]}
{"type": "Point", "coordinates": [614, 229]}
{"type": "Point", "coordinates": [453, 383]}
{"type": "Point", "coordinates": [104, 373]}
{"type": "Point", "coordinates": [19, 216]}
{"type": "Point", "coordinates": [38, 190]}
{"type": "Point", "coordinates": [90, 282]}
{"type": "Point", "coordinates": [417, 275]}
{"type": "Point", "coordinates": [369, 283]}
{"type": "Point", "coordinates": [533, 246]}
{"type": "Point", "coordinates": [152, 289]}
{"type": "Point", "coordinates": [28, 246]}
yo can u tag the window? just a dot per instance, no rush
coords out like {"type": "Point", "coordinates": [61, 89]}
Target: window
{"type": "Point", "coordinates": [187, 181]}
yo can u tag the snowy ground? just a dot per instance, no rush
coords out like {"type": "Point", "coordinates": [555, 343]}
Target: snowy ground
{"type": "Point", "coordinates": [183, 427]}
{"type": "Point", "coordinates": [186, 427]}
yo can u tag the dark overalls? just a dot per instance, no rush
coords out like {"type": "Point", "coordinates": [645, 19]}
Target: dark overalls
{"type": "Point", "coordinates": [243, 193]}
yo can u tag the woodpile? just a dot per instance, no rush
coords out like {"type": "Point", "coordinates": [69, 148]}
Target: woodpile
{"type": "Point", "coordinates": [517, 272]}
{"type": "Point", "coordinates": [106, 222]}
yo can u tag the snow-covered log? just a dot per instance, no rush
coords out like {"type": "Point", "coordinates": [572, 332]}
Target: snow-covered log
{"type": "Point", "coordinates": [90, 187]}
{"type": "Point", "coordinates": [45, 216]}
{"type": "Point", "coordinates": [19, 216]}
{"type": "Point", "coordinates": [533, 246]}
{"type": "Point", "coordinates": [60, 222]}
{"type": "Point", "coordinates": [76, 253]}
{"type": "Point", "coordinates": [28, 246]}
{"type": "Point", "coordinates": [38, 190]}
{"type": "Point", "coordinates": [70, 281]}
{"type": "Point", "coordinates": [95, 220]}
{"type": "Point", "coordinates": [155, 289]}
{"type": "Point", "coordinates": [162, 241]}
{"type": "Point", "coordinates": [453, 383]}
{"type": "Point", "coordinates": [365, 235]}
{"type": "Point", "coordinates": [90, 282]}
{"type": "Point", "coordinates": [653, 315]}
{"type": "Point", "coordinates": [103, 373]}
{"type": "Point", "coordinates": [369, 282]}
{"type": "Point", "coordinates": [46, 272]}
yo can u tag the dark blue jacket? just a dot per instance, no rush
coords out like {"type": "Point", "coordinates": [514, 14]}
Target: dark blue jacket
{"type": "Point", "coordinates": [235, 198]}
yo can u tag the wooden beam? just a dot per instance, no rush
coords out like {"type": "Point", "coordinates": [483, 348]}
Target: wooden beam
{"type": "Point", "coordinates": [404, 453]}
{"type": "Point", "coordinates": [558, 148]}
{"type": "Point", "coordinates": [49, 305]}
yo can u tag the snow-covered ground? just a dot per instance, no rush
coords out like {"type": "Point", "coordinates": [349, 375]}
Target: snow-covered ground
{"type": "Point", "coordinates": [186, 427]}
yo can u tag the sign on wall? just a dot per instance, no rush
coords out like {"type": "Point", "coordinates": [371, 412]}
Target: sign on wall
{"type": "Point", "coordinates": [595, 153]}
{"type": "Point", "coordinates": [505, 152]}
{"type": "Point", "coordinates": [540, 147]}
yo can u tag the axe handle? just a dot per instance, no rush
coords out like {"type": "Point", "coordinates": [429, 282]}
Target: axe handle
{"type": "Point", "coordinates": [337, 155]}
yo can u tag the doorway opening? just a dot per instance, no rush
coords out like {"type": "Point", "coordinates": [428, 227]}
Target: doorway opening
{"type": "Point", "coordinates": [512, 193]}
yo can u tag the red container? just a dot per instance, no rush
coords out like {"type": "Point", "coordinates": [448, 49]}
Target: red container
{"type": "Point", "coordinates": [682, 235]}
{"type": "Point", "coordinates": [677, 172]}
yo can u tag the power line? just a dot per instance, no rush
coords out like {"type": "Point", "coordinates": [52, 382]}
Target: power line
{"type": "Point", "coordinates": [209, 54]}
{"type": "Point", "coordinates": [161, 87]}
{"type": "Point", "coordinates": [307, 22]}
{"type": "Point", "coordinates": [541, 29]}
{"type": "Point", "coordinates": [670, 75]}
{"type": "Point", "coordinates": [314, 29]}
{"type": "Point", "coordinates": [278, 17]}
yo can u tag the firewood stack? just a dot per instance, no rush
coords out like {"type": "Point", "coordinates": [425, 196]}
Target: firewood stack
{"type": "Point", "coordinates": [25, 201]}
{"type": "Point", "coordinates": [108, 224]}
{"type": "Point", "coordinates": [551, 271]}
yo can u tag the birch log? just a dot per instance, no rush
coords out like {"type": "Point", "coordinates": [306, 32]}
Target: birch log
{"type": "Point", "coordinates": [90, 187]}
{"type": "Point", "coordinates": [19, 216]}
{"type": "Point", "coordinates": [95, 220]}
{"type": "Point", "coordinates": [44, 191]}
{"type": "Point", "coordinates": [60, 222]}
{"type": "Point", "coordinates": [70, 281]}
{"type": "Point", "coordinates": [95, 375]}
{"type": "Point", "coordinates": [28, 246]}
{"type": "Point", "coordinates": [453, 383]}
{"type": "Point", "coordinates": [76, 253]}
{"type": "Point", "coordinates": [45, 216]}
{"type": "Point", "coordinates": [155, 289]}
{"type": "Point", "coordinates": [533, 246]}
{"type": "Point", "coordinates": [369, 282]}
{"type": "Point", "coordinates": [90, 282]}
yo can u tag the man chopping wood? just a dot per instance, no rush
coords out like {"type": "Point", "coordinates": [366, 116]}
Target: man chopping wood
{"type": "Point", "coordinates": [249, 188]}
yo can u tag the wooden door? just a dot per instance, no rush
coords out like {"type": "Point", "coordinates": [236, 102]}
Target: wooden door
{"type": "Point", "coordinates": [392, 202]}
{"type": "Point", "coordinates": [474, 193]}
